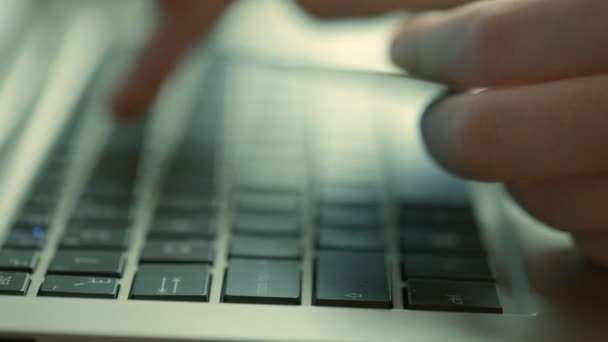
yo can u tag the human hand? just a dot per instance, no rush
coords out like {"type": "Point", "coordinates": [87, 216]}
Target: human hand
{"type": "Point", "coordinates": [538, 127]}
{"type": "Point", "coordinates": [181, 24]}
{"type": "Point", "coordinates": [541, 126]}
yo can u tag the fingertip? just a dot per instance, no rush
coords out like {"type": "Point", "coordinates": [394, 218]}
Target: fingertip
{"type": "Point", "coordinates": [127, 105]}
{"type": "Point", "coordinates": [409, 47]}
{"type": "Point", "coordinates": [440, 129]}
{"type": "Point", "coordinates": [402, 49]}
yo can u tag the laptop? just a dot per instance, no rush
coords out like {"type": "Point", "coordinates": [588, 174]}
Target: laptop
{"type": "Point", "coordinates": [265, 198]}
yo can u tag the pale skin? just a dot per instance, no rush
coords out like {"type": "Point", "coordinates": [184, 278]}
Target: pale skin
{"type": "Point", "coordinates": [541, 125]}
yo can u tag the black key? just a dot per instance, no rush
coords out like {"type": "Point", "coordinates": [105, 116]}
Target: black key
{"type": "Point", "coordinates": [437, 217]}
{"type": "Point", "coordinates": [262, 282]}
{"type": "Point", "coordinates": [95, 238]}
{"type": "Point", "coordinates": [112, 224]}
{"type": "Point", "coordinates": [14, 283]}
{"type": "Point", "coordinates": [39, 217]}
{"type": "Point", "coordinates": [352, 279]}
{"type": "Point", "coordinates": [199, 200]}
{"type": "Point", "coordinates": [284, 204]}
{"type": "Point", "coordinates": [33, 238]}
{"type": "Point", "coordinates": [108, 191]}
{"type": "Point", "coordinates": [107, 194]}
{"type": "Point", "coordinates": [100, 263]}
{"type": "Point", "coordinates": [41, 204]}
{"type": "Point", "coordinates": [182, 228]}
{"type": "Point", "coordinates": [100, 210]}
{"type": "Point", "coordinates": [18, 260]}
{"type": "Point", "coordinates": [47, 185]}
{"type": "Point", "coordinates": [197, 215]}
{"type": "Point", "coordinates": [339, 178]}
{"type": "Point", "coordinates": [267, 224]}
{"type": "Point", "coordinates": [269, 183]}
{"type": "Point", "coordinates": [186, 251]}
{"type": "Point", "coordinates": [188, 186]}
{"type": "Point", "coordinates": [441, 242]}
{"type": "Point", "coordinates": [265, 247]}
{"type": "Point", "coordinates": [444, 295]}
{"type": "Point", "coordinates": [423, 266]}
{"type": "Point", "coordinates": [79, 287]}
{"type": "Point", "coordinates": [356, 239]}
{"type": "Point", "coordinates": [172, 282]}
{"type": "Point", "coordinates": [350, 196]}
{"type": "Point", "coordinates": [185, 206]}
{"type": "Point", "coordinates": [194, 209]}
{"type": "Point", "coordinates": [351, 217]}
{"type": "Point", "coordinates": [120, 223]}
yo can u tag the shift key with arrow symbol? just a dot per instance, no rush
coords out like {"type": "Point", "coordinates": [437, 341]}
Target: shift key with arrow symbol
{"type": "Point", "coordinates": [172, 282]}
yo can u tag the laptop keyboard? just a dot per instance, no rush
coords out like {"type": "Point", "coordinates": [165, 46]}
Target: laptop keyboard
{"type": "Point", "coordinates": [305, 219]}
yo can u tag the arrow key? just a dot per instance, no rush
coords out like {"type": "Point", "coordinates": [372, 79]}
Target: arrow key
{"type": "Point", "coordinates": [172, 282]}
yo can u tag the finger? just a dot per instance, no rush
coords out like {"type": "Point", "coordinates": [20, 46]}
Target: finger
{"type": "Point", "coordinates": [575, 204]}
{"type": "Point", "coordinates": [595, 248]}
{"type": "Point", "coordinates": [181, 29]}
{"type": "Point", "coordinates": [504, 42]}
{"type": "Point", "coordinates": [557, 128]}
{"type": "Point", "coordinates": [361, 8]}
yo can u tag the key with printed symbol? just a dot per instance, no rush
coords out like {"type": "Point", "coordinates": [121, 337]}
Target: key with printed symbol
{"type": "Point", "coordinates": [191, 212]}
{"type": "Point", "coordinates": [432, 217]}
{"type": "Point", "coordinates": [14, 283]}
{"type": "Point", "coordinates": [351, 239]}
{"type": "Point", "coordinates": [269, 184]}
{"type": "Point", "coordinates": [93, 211]}
{"type": "Point", "coordinates": [182, 227]}
{"type": "Point", "coordinates": [265, 247]}
{"type": "Point", "coordinates": [18, 260]}
{"type": "Point", "coordinates": [263, 203]}
{"type": "Point", "coordinates": [178, 251]}
{"type": "Point", "coordinates": [261, 224]}
{"type": "Point", "coordinates": [95, 238]}
{"type": "Point", "coordinates": [183, 203]}
{"type": "Point", "coordinates": [445, 295]}
{"type": "Point", "coordinates": [199, 200]}
{"type": "Point", "coordinates": [100, 263]}
{"type": "Point", "coordinates": [80, 287]}
{"type": "Point", "coordinates": [441, 242]}
{"type": "Point", "coordinates": [352, 279]}
{"type": "Point", "coordinates": [350, 196]}
{"type": "Point", "coordinates": [172, 282]}
{"type": "Point", "coordinates": [344, 217]}
{"type": "Point", "coordinates": [262, 282]}
{"type": "Point", "coordinates": [453, 267]}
